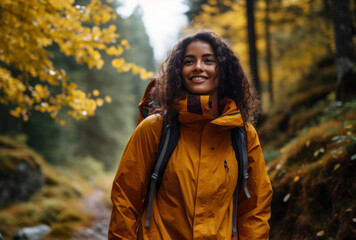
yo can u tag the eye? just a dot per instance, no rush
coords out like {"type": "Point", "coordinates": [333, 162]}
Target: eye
{"type": "Point", "coordinates": [210, 60]}
{"type": "Point", "coordinates": [188, 62]}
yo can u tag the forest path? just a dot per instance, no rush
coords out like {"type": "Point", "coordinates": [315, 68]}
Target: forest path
{"type": "Point", "coordinates": [94, 204]}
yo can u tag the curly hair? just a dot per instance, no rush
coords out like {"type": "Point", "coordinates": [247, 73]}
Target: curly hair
{"type": "Point", "coordinates": [169, 87]}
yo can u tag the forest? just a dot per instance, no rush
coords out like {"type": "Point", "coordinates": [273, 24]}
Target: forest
{"type": "Point", "coordinates": [72, 73]}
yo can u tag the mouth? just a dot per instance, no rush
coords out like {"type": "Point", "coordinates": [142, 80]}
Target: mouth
{"type": "Point", "coordinates": [198, 79]}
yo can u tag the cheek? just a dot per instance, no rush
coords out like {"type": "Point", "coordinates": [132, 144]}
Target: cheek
{"type": "Point", "coordinates": [185, 72]}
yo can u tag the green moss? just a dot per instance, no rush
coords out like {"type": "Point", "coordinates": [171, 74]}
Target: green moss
{"type": "Point", "coordinates": [70, 215]}
{"type": "Point", "coordinates": [61, 231]}
{"type": "Point", "coordinates": [56, 204]}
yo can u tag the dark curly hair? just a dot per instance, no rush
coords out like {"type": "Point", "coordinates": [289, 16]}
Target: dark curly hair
{"type": "Point", "coordinates": [169, 87]}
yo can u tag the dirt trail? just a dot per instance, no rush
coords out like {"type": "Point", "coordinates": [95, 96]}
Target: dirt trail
{"type": "Point", "coordinates": [95, 205]}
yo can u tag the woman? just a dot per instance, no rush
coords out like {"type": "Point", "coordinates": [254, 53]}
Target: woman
{"type": "Point", "coordinates": [203, 82]}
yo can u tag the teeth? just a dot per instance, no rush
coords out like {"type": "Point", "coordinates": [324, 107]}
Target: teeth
{"type": "Point", "coordinates": [198, 78]}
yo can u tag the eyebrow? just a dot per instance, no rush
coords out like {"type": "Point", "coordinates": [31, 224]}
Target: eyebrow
{"type": "Point", "coordinates": [205, 55]}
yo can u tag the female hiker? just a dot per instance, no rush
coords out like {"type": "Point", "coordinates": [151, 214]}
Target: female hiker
{"type": "Point", "coordinates": [202, 89]}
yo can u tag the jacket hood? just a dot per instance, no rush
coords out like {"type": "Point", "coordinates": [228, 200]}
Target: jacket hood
{"type": "Point", "coordinates": [198, 108]}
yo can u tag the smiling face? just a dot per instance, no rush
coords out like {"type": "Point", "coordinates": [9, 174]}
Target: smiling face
{"type": "Point", "coordinates": [200, 68]}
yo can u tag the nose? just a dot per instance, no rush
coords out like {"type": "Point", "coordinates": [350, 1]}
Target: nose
{"type": "Point", "coordinates": [199, 66]}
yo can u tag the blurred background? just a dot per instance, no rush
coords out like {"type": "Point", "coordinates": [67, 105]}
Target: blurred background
{"type": "Point", "coordinates": [73, 72]}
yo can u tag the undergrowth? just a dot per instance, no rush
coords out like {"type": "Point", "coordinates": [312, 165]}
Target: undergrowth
{"type": "Point", "coordinates": [57, 204]}
{"type": "Point", "coordinates": [314, 181]}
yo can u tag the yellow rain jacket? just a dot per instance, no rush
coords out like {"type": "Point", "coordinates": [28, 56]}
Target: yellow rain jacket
{"type": "Point", "coordinates": [195, 200]}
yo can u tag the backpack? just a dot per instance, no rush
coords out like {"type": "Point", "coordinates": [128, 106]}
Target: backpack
{"type": "Point", "coordinates": [168, 142]}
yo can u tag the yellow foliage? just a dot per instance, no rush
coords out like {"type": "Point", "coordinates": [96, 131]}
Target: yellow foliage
{"type": "Point", "coordinates": [28, 27]}
{"type": "Point", "coordinates": [299, 37]}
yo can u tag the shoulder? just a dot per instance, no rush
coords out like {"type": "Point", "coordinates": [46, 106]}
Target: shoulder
{"type": "Point", "coordinates": [250, 129]}
{"type": "Point", "coordinates": [252, 136]}
{"type": "Point", "coordinates": [150, 126]}
{"type": "Point", "coordinates": [151, 121]}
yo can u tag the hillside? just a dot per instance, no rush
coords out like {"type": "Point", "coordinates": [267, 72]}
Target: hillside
{"type": "Point", "coordinates": [310, 149]}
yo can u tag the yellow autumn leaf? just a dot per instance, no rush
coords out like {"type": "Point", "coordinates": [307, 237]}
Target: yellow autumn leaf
{"type": "Point", "coordinates": [320, 233]}
{"type": "Point", "coordinates": [99, 64]}
{"type": "Point", "coordinates": [111, 50]}
{"type": "Point", "coordinates": [117, 62]}
{"type": "Point", "coordinates": [212, 2]}
{"type": "Point", "coordinates": [296, 179]}
{"type": "Point", "coordinates": [96, 92]}
{"type": "Point", "coordinates": [99, 102]}
{"type": "Point", "coordinates": [108, 99]}
{"type": "Point", "coordinates": [125, 43]}
{"type": "Point", "coordinates": [16, 112]}
{"type": "Point", "coordinates": [336, 167]}
{"type": "Point", "coordinates": [307, 143]}
{"type": "Point", "coordinates": [135, 69]}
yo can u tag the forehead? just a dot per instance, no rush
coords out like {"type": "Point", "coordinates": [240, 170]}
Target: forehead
{"type": "Point", "coordinates": [199, 47]}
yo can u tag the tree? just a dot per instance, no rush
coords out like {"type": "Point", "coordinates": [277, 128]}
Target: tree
{"type": "Point", "coordinates": [300, 32]}
{"type": "Point", "coordinates": [24, 55]}
{"type": "Point", "coordinates": [269, 51]}
{"type": "Point", "coordinates": [345, 52]}
{"type": "Point", "coordinates": [105, 135]}
{"type": "Point", "coordinates": [252, 44]}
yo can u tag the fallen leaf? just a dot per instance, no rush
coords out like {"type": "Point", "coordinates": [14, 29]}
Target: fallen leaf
{"type": "Point", "coordinates": [320, 233]}
{"type": "Point", "coordinates": [286, 197]}
{"type": "Point", "coordinates": [349, 126]}
{"type": "Point", "coordinates": [336, 167]}
{"type": "Point", "coordinates": [296, 179]}
{"type": "Point", "coordinates": [316, 153]}
{"type": "Point", "coordinates": [307, 143]}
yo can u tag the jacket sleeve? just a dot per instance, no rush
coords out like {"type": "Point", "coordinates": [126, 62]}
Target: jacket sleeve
{"type": "Point", "coordinates": [254, 213]}
{"type": "Point", "coordinates": [131, 180]}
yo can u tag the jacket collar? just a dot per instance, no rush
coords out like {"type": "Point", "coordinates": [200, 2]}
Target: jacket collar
{"type": "Point", "coordinates": [198, 108]}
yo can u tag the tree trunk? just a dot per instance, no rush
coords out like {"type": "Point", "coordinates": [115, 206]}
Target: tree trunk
{"type": "Point", "coordinates": [269, 53]}
{"type": "Point", "coordinates": [252, 44]}
{"type": "Point", "coordinates": [345, 55]}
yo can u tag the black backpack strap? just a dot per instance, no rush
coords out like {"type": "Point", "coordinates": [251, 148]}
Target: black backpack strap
{"type": "Point", "coordinates": [167, 144]}
{"type": "Point", "coordinates": [145, 111]}
{"type": "Point", "coordinates": [239, 143]}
